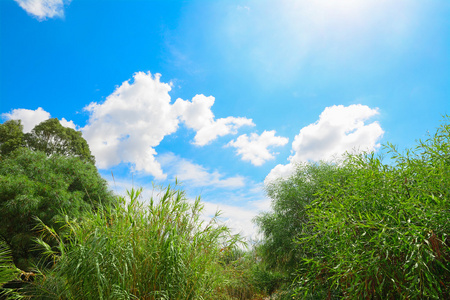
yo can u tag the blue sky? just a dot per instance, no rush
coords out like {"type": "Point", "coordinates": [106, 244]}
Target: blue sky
{"type": "Point", "coordinates": [225, 95]}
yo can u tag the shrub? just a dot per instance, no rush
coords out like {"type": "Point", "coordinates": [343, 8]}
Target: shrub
{"type": "Point", "coordinates": [362, 229]}
{"type": "Point", "coordinates": [383, 232]}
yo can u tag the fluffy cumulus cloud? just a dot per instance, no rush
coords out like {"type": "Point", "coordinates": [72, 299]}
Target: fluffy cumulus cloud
{"type": "Point", "coordinates": [130, 123]}
{"type": "Point", "coordinates": [137, 116]}
{"type": "Point", "coordinates": [197, 115]}
{"type": "Point", "coordinates": [340, 129]}
{"type": "Point", "coordinates": [43, 9]}
{"type": "Point", "coordinates": [196, 175]}
{"type": "Point", "coordinates": [254, 148]}
{"type": "Point", "coordinates": [29, 118]}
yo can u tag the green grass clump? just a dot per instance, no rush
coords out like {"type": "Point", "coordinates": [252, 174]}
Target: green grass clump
{"type": "Point", "coordinates": [162, 250]}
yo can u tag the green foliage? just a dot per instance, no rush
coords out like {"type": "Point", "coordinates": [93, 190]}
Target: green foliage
{"type": "Point", "coordinates": [8, 272]}
{"type": "Point", "coordinates": [290, 200]}
{"type": "Point", "coordinates": [11, 136]}
{"type": "Point", "coordinates": [162, 250]}
{"type": "Point", "coordinates": [378, 231]}
{"type": "Point", "coordinates": [7, 269]}
{"type": "Point", "coordinates": [35, 185]}
{"type": "Point", "coordinates": [51, 138]}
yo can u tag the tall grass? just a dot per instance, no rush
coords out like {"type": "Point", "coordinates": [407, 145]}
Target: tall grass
{"type": "Point", "coordinates": [160, 250]}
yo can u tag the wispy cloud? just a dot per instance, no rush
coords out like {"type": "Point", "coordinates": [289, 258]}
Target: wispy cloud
{"type": "Point", "coordinates": [287, 37]}
{"type": "Point", "coordinates": [254, 148]}
{"type": "Point", "coordinates": [196, 175]}
{"type": "Point", "coordinates": [43, 9]}
{"type": "Point", "coordinates": [340, 129]}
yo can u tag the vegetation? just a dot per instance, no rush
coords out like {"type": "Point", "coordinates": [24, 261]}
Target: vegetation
{"type": "Point", "coordinates": [353, 229]}
{"type": "Point", "coordinates": [286, 223]}
{"type": "Point", "coordinates": [49, 137]}
{"type": "Point", "coordinates": [8, 270]}
{"type": "Point", "coordinates": [367, 230]}
{"type": "Point", "coordinates": [46, 185]}
{"type": "Point", "coordinates": [11, 136]}
{"type": "Point", "coordinates": [160, 251]}
{"type": "Point", "coordinates": [34, 185]}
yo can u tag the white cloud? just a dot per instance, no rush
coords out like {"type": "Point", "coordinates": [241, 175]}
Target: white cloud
{"type": "Point", "coordinates": [280, 171]}
{"type": "Point", "coordinates": [255, 147]}
{"type": "Point", "coordinates": [29, 118]}
{"type": "Point", "coordinates": [238, 219]}
{"type": "Point", "coordinates": [137, 116]}
{"type": "Point", "coordinates": [339, 130]}
{"type": "Point", "coordinates": [43, 9]}
{"type": "Point", "coordinates": [196, 175]}
{"type": "Point", "coordinates": [69, 124]}
{"type": "Point", "coordinates": [130, 123]}
{"type": "Point", "coordinates": [197, 115]}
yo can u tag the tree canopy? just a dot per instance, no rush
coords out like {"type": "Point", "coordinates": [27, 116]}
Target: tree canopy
{"type": "Point", "coordinates": [286, 222]}
{"type": "Point", "coordinates": [48, 136]}
{"type": "Point", "coordinates": [33, 184]}
{"type": "Point", "coordinates": [51, 137]}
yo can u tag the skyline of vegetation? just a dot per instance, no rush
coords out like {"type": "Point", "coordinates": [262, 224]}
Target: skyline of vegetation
{"type": "Point", "coordinates": [351, 229]}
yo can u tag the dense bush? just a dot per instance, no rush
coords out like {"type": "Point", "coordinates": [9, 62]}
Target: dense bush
{"type": "Point", "coordinates": [35, 185]}
{"type": "Point", "coordinates": [370, 230]}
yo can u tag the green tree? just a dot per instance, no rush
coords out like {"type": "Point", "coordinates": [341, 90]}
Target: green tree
{"type": "Point", "coordinates": [51, 138]}
{"type": "Point", "coordinates": [32, 185]}
{"type": "Point", "coordinates": [11, 136]}
{"type": "Point", "coordinates": [286, 222]}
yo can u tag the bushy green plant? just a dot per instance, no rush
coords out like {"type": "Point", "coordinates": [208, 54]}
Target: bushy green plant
{"type": "Point", "coordinates": [383, 233]}
{"type": "Point", "coordinates": [290, 200]}
{"type": "Point", "coordinates": [162, 250]}
{"type": "Point", "coordinates": [35, 185]}
{"type": "Point", "coordinates": [248, 276]}
{"type": "Point", "coordinates": [362, 229]}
